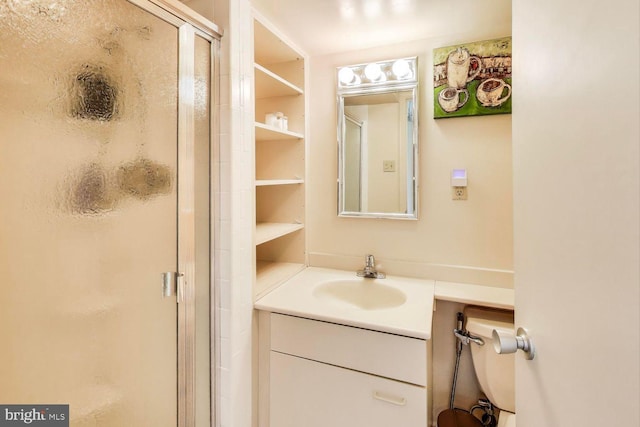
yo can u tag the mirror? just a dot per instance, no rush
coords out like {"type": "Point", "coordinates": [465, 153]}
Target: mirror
{"type": "Point", "coordinates": [378, 140]}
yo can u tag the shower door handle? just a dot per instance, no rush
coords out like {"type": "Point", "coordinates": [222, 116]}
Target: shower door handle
{"type": "Point", "coordinates": [173, 284]}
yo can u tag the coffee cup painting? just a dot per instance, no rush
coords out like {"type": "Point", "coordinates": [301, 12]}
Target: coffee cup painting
{"type": "Point", "coordinates": [472, 79]}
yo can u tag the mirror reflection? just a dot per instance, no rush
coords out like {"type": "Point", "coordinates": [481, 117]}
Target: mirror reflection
{"type": "Point", "coordinates": [378, 142]}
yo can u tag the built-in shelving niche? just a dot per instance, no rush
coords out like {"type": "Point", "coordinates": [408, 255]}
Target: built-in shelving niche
{"type": "Point", "coordinates": [280, 160]}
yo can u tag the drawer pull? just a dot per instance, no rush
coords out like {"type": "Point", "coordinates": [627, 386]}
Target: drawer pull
{"type": "Point", "coordinates": [400, 401]}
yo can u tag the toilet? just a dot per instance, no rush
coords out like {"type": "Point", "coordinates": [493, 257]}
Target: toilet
{"type": "Point", "coordinates": [495, 372]}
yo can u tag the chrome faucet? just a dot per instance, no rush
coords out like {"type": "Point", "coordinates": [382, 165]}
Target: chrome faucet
{"type": "Point", "coordinates": [370, 269]}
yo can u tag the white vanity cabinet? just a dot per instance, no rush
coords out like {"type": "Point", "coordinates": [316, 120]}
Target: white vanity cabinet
{"type": "Point", "coordinates": [322, 374]}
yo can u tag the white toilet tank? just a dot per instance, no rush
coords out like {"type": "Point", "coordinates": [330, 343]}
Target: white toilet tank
{"type": "Point", "coordinates": [495, 372]}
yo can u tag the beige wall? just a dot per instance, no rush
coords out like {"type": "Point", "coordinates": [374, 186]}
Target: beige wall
{"type": "Point", "coordinates": [203, 7]}
{"type": "Point", "coordinates": [382, 145]}
{"type": "Point", "coordinates": [465, 241]}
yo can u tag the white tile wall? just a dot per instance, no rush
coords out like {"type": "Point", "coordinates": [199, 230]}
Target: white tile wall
{"type": "Point", "coordinates": [233, 275]}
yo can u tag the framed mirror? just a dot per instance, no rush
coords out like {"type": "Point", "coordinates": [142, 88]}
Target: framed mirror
{"type": "Point", "coordinates": [378, 139]}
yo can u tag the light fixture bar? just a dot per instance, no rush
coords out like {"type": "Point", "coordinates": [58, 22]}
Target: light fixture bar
{"type": "Point", "coordinates": [388, 72]}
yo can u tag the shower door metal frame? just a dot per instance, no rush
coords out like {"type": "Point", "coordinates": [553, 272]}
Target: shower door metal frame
{"type": "Point", "coordinates": [189, 25]}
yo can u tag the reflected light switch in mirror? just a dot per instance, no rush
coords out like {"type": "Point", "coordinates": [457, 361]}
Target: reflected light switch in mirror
{"type": "Point", "coordinates": [388, 166]}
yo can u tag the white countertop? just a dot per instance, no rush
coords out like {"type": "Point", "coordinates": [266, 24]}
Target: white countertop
{"type": "Point", "coordinates": [475, 294]}
{"type": "Point", "coordinates": [413, 318]}
{"type": "Point", "coordinates": [296, 297]}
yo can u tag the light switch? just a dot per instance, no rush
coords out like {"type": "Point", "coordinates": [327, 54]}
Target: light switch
{"type": "Point", "coordinates": [388, 166]}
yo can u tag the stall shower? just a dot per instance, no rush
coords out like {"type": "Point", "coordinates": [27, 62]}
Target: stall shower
{"type": "Point", "coordinates": [105, 128]}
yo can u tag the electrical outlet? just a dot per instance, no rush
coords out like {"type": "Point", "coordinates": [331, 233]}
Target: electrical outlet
{"type": "Point", "coordinates": [459, 193]}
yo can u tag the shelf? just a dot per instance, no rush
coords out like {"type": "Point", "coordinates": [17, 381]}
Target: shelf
{"type": "Point", "coordinates": [473, 294]}
{"type": "Point", "coordinates": [269, 84]}
{"type": "Point", "coordinates": [269, 133]}
{"type": "Point", "coordinates": [267, 182]}
{"type": "Point", "coordinates": [267, 231]}
{"type": "Point", "coordinates": [269, 48]}
{"type": "Point", "coordinates": [269, 274]}
{"type": "Point", "coordinates": [279, 85]}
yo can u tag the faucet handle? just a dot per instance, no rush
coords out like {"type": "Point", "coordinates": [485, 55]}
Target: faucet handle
{"type": "Point", "coordinates": [370, 269]}
{"type": "Point", "coordinates": [369, 261]}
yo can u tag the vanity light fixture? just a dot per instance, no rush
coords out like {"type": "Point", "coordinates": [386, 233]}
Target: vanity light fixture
{"type": "Point", "coordinates": [373, 72]}
{"type": "Point", "coordinates": [390, 72]}
{"type": "Point", "coordinates": [401, 69]}
{"type": "Point", "coordinates": [347, 76]}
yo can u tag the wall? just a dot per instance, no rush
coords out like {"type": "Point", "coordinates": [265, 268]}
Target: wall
{"type": "Point", "coordinates": [203, 7]}
{"type": "Point", "coordinates": [457, 241]}
{"type": "Point", "coordinates": [465, 241]}
{"type": "Point", "coordinates": [234, 223]}
{"type": "Point", "coordinates": [382, 145]}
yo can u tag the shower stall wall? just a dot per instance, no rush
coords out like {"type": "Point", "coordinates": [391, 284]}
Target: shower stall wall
{"type": "Point", "coordinates": [105, 129]}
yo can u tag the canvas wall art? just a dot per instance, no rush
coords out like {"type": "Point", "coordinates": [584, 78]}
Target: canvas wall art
{"type": "Point", "coordinates": [472, 79]}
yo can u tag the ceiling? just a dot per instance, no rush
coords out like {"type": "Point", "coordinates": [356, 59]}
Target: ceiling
{"type": "Point", "coordinates": [321, 27]}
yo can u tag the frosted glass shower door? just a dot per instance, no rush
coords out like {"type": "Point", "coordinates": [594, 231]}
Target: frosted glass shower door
{"type": "Point", "coordinates": [88, 210]}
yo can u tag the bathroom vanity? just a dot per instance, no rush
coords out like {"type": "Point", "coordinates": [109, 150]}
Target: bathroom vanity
{"type": "Point", "coordinates": [325, 374]}
{"type": "Point", "coordinates": [335, 358]}
{"type": "Point", "coordinates": [339, 350]}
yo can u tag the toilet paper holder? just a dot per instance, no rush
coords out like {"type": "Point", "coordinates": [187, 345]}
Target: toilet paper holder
{"type": "Point", "coordinates": [505, 342]}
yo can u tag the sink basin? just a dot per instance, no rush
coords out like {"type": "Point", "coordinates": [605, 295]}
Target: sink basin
{"type": "Point", "coordinates": [365, 294]}
{"type": "Point", "coordinates": [396, 305]}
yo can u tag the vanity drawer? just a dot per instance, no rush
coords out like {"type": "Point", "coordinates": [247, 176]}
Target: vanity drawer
{"type": "Point", "coordinates": [378, 353]}
{"type": "Point", "coordinates": [312, 394]}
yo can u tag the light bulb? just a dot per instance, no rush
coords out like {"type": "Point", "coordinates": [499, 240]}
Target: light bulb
{"type": "Point", "coordinates": [346, 75]}
{"type": "Point", "coordinates": [373, 72]}
{"type": "Point", "coordinates": [401, 69]}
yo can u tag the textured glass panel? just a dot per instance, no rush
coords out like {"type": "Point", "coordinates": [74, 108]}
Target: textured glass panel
{"type": "Point", "coordinates": [88, 152]}
{"type": "Point", "coordinates": [352, 162]}
{"type": "Point", "coordinates": [202, 191]}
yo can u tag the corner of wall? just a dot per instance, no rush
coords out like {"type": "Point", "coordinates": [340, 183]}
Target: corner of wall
{"type": "Point", "coordinates": [233, 252]}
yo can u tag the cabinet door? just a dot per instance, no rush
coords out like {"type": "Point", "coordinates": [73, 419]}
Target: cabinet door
{"type": "Point", "coordinates": [311, 394]}
{"type": "Point", "coordinates": [376, 353]}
